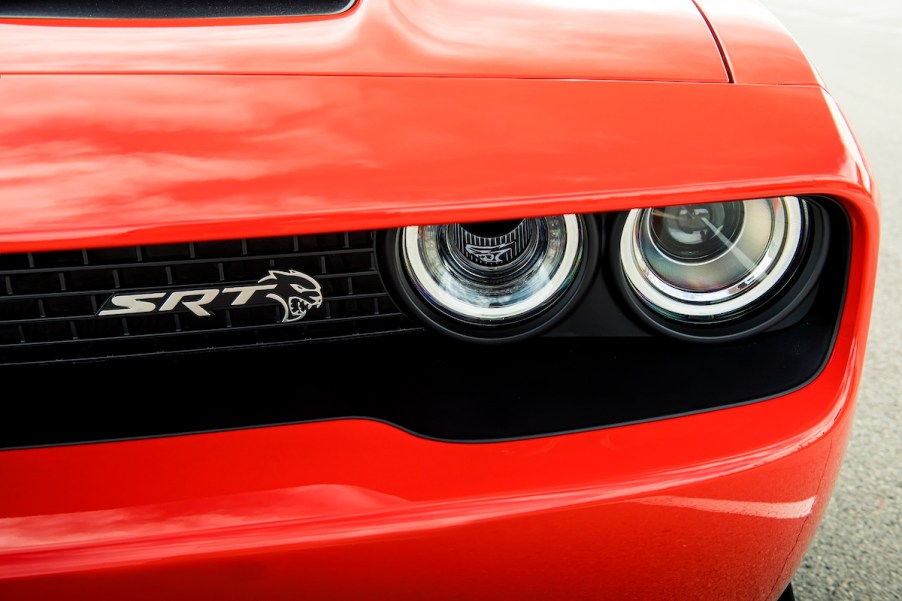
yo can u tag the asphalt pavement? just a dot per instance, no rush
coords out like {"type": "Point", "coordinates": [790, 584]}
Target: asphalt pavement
{"type": "Point", "coordinates": [857, 553]}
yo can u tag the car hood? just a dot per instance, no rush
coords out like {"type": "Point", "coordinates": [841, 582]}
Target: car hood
{"type": "Point", "coordinates": [147, 159]}
{"type": "Point", "coordinates": [651, 40]}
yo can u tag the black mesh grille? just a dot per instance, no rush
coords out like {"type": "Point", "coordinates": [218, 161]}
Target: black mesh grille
{"type": "Point", "coordinates": [49, 300]}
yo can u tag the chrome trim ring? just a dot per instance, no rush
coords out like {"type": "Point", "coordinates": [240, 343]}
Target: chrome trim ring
{"type": "Point", "coordinates": [765, 256]}
{"type": "Point", "coordinates": [540, 285]}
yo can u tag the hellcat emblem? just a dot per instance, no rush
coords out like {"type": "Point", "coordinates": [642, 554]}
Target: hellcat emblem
{"type": "Point", "coordinates": [297, 292]}
{"type": "Point", "coordinates": [490, 254]}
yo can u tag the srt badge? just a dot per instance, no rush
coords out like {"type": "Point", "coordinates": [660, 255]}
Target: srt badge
{"type": "Point", "coordinates": [297, 292]}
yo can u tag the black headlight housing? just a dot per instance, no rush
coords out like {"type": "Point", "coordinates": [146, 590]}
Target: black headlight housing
{"type": "Point", "coordinates": [719, 271]}
{"type": "Point", "coordinates": [702, 272]}
{"type": "Point", "coordinates": [495, 281]}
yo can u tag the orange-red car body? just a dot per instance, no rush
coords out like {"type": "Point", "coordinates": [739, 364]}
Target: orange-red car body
{"type": "Point", "coordinates": [401, 112]}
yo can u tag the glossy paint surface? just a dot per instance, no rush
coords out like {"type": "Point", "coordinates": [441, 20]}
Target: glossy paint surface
{"type": "Point", "coordinates": [116, 160]}
{"type": "Point", "coordinates": [664, 40]}
{"type": "Point", "coordinates": [722, 502]}
{"type": "Point", "coordinates": [756, 46]}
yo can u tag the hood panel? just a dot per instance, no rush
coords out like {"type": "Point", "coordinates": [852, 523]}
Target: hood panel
{"type": "Point", "coordinates": [757, 47]}
{"type": "Point", "coordinates": [655, 40]}
{"type": "Point", "coordinates": [139, 159]}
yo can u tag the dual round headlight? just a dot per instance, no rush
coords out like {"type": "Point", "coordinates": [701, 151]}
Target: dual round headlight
{"type": "Point", "coordinates": [702, 270]}
{"type": "Point", "coordinates": [495, 279]}
{"type": "Point", "coordinates": [710, 263]}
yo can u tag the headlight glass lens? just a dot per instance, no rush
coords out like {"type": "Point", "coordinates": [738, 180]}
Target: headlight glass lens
{"type": "Point", "coordinates": [494, 273]}
{"type": "Point", "coordinates": [711, 262]}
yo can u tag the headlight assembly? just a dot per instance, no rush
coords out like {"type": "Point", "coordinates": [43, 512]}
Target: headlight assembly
{"type": "Point", "coordinates": [706, 272]}
{"type": "Point", "coordinates": [493, 280]}
{"type": "Point", "coordinates": [706, 269]}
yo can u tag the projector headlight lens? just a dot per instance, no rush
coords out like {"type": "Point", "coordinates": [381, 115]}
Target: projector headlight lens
{"type": "Point", "coordinates": [494, 273]}
{"type": "Point", "coordinates": [710, 263]}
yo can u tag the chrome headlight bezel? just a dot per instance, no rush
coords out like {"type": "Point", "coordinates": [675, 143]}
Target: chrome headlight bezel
{"type": "Point", "coordinates": [790, 259]}
{"type": "Point", "coordinates": [401, 258]}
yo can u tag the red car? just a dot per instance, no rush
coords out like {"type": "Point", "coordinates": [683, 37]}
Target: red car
{"type": "Point", "coordinates": [417, 299]}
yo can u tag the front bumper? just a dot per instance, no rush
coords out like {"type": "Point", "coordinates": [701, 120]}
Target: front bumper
{"type": "Point", "coordinates": [715, 505]}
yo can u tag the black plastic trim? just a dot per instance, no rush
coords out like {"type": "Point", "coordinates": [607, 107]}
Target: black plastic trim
{"type": "Point", "coordinates": [169, 9]}
{"type": "Point", "coordinates": [434, 386]}
{"type": "Point", "coordinates": [788, 594]}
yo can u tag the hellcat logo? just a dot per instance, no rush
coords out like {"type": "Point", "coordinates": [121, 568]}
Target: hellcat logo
{"type": "Point", "coordinates": [490, 254]}
{"type": "Point", "coordinates": [297, 292]}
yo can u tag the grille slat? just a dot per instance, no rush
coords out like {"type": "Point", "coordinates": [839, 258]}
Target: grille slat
{"type": "Point", "coordinates": [75, 318]}
{"type": "Point", "coordinates": [188, 261]}
{"type": "Point", "coordinates": [49, 301]}
{"type": "Point", "coordinates": [123, 290]}
{"type": "Point", "coordinates": [333, 320]}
